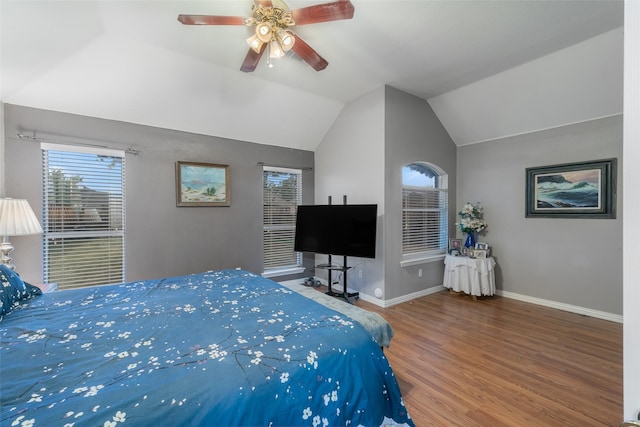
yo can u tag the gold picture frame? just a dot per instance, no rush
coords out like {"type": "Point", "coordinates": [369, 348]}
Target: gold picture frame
{"type": "Point", "coordinates": [480, 253]}
{"type": "Point", "coordinates": [202, 184]}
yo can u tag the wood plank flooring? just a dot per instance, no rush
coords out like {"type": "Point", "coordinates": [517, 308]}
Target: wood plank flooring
{"type": "Point", "coordinates": [501, 362]}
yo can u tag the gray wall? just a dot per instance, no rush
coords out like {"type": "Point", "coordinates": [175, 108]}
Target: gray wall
{"type": "Point", "coordinates": [571, 261]}
{"type": "Point", "coordinates": [413, 133]}
{"type": "Point", "coordinates": [162, 239]}
{"type": "Point", "coordinates": [349, 162]}
{"type": "Point", "coordinates": [362, 157]}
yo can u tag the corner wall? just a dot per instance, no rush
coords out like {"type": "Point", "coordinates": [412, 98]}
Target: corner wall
{"type": "Point", "coordinates": [573, 261]}
{"type": "Point", "coordinates": [2, 169]}
{"type": "Point", "coordinates": [350, 161]}
{"type": "Point", "coordinates": [362, 157]}
{"type": "Point", "coordinates": [413, 133]}
{"type": "Point", "coordinates": [631, 337]}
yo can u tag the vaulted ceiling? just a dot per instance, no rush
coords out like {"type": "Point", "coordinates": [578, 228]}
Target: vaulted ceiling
{"type": "Point", "coordinates": [133, 61]}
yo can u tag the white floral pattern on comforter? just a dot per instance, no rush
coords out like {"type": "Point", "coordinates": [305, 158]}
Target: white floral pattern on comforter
{"type": "Point", "coordinates": [225, 348]}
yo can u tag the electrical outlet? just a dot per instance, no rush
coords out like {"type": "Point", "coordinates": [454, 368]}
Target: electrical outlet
{"type": "Point", "coordinates": [419, 272]}
{"type": "Point", "coordinates": [360, 274]}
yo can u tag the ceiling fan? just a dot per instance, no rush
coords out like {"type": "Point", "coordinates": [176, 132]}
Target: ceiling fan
{"type": "Point", "coordinates": [273, 22]}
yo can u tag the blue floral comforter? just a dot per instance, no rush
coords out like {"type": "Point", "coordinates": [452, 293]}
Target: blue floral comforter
{"type": "Point", "coordinates": [226, 348]}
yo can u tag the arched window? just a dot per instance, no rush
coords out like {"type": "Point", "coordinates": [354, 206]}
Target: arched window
{"type": "Point", "coordinates": [424, 211]}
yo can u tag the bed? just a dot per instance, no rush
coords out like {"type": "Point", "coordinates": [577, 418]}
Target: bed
{"type": "Point", "coordinates": [223, 348]}
{"type": "Point", "coordinates": [380, 330]}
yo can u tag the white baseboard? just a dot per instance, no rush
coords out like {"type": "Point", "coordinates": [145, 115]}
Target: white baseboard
{"type": "Point", "coordinates": [371, 299]}
{"type": "Point", "coordinates": [562, 306]}
{"type": "Point", "coordinates": [506, 294]}
{"type": "Point", "coordinates": [404, 298]}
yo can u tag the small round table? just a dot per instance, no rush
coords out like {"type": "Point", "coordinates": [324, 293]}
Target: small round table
{"type": "Point", "coordinates": [473, 276]}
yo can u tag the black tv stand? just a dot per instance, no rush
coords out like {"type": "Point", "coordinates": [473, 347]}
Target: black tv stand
{"type": "Point", "coordinates": [343, 268]}
{"type": "Point", "coordinates": [329, 266]}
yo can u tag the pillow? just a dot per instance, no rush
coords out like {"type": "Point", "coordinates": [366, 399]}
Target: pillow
{"type": "Point", "coordinates": [13, 290]}
{"type": "Point", "coordinates": [31, 290]}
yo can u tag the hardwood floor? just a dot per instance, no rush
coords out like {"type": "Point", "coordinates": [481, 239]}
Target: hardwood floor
{"type": "Point", "coordinates": [502, 362]}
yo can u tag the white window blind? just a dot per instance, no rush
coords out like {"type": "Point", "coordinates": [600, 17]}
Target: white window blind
{"type": "Point", "coordinates": [424, 211]}
{"type": "Point", "coordinates": [83, 216]}
{"type": "Point", "coordinates": [282, 193]}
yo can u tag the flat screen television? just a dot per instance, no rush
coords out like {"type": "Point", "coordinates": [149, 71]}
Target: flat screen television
{"type": "Point", "coordinates": [348, 230]}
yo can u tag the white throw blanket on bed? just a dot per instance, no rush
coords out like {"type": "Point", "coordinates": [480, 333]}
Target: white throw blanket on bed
{"type": "Point", "coordinates": [377, 326]}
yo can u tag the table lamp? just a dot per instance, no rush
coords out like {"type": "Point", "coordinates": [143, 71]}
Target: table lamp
{"type": "Point", "coordinates": [16, 219]}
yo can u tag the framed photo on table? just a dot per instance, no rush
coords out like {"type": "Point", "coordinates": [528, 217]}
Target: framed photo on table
{"type": "Point", "coordinates": [455, 244]}
{"type": "Point", "coordinates": [480, 253]}
{"type": "Point", "coordinates": [572, 190]}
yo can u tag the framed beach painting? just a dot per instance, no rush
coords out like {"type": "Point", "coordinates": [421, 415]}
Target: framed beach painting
{"type": "Point", "coordinates": [572, 190]}
{"type": "Point", "coordinates": [202, 184]}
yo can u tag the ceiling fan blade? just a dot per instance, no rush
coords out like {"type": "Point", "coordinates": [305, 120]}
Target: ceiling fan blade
{"type": "Point", "coordinates": [210, 20]}
{"type": "Point", "coordinates": [263, 3]}
{"type": "Point", "coordinates": [251, 60]}
{"type": "Point", "coordinates": [310, 56]}
{"type": "Point", "coordinates": [342, 9]}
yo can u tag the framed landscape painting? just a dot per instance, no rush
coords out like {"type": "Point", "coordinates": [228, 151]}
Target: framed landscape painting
{"type": "Point", "coordinates": [202, 184]}
{"type": "Point", "coordinates": [572, 190]}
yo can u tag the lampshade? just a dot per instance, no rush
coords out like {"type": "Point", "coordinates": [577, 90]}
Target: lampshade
{"type": "Point", "coordinates": [17, 218]}
{"type": "Point", "coordinates": [275, 50]}
{"type": "Point", "coordinates": [263, 31]}
{"type": "Point", "coordinates": [255, 43]}
{"type": "Point", "coordinates": [286, 39]}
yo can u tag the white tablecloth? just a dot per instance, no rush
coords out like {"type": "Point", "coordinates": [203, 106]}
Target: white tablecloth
{"type": "Point", "coordinates": [473, 276]}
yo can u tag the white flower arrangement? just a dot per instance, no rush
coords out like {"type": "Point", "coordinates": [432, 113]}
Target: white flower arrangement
{"type": "Point", "coordinates": [471, 218]}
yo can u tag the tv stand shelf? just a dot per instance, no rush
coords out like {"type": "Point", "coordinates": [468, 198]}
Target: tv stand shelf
{"type": "Point", "coordinates": [343, 268]}
{"type": "Point", "coordinates": [333, 267]}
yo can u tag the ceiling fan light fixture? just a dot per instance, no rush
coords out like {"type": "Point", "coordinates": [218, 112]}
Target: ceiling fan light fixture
{"type": "Point", "coordinates": [255, 43]}
{"type": "Point", "coordinates": [264, 32]}
{"type": "Point", "coordinates": [275, 50]}
{"type": "Point", "coordinates": [286, 39]}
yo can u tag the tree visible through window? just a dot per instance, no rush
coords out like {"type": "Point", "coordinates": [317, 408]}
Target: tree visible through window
{"type": "Point", "coordinates": [282, 193]}
{"type": "Point", "coordinates": [424, 210]}
{"type": "Point", "coordinates": [83, 216]}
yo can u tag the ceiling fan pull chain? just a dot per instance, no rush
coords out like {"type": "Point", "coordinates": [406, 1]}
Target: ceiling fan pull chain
{"type": "Point", "coordinates": [269, 63]}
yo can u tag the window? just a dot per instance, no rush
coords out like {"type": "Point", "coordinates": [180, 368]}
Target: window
{"type": "Point", "coordinates": [83, 216]}
{"type": "Point", "coordinates": [282, 193]}
{"type": "Point", "coordinates": [424, 211]}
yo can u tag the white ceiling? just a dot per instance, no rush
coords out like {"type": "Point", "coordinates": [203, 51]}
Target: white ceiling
{"type": "Point", "coordinates": [133, 61]}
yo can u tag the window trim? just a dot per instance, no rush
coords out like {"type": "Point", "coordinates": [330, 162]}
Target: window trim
{"type": "Point", "coordinates": [288, 269]}
{"type": "Point", "coordinates": [275, 272]}
{"type": "Point", "coordinates": [434, 255]}
{"type": "Point", "coordinates": [108, 233]}
{"type": "Point", "coordinates": [422, 258]}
